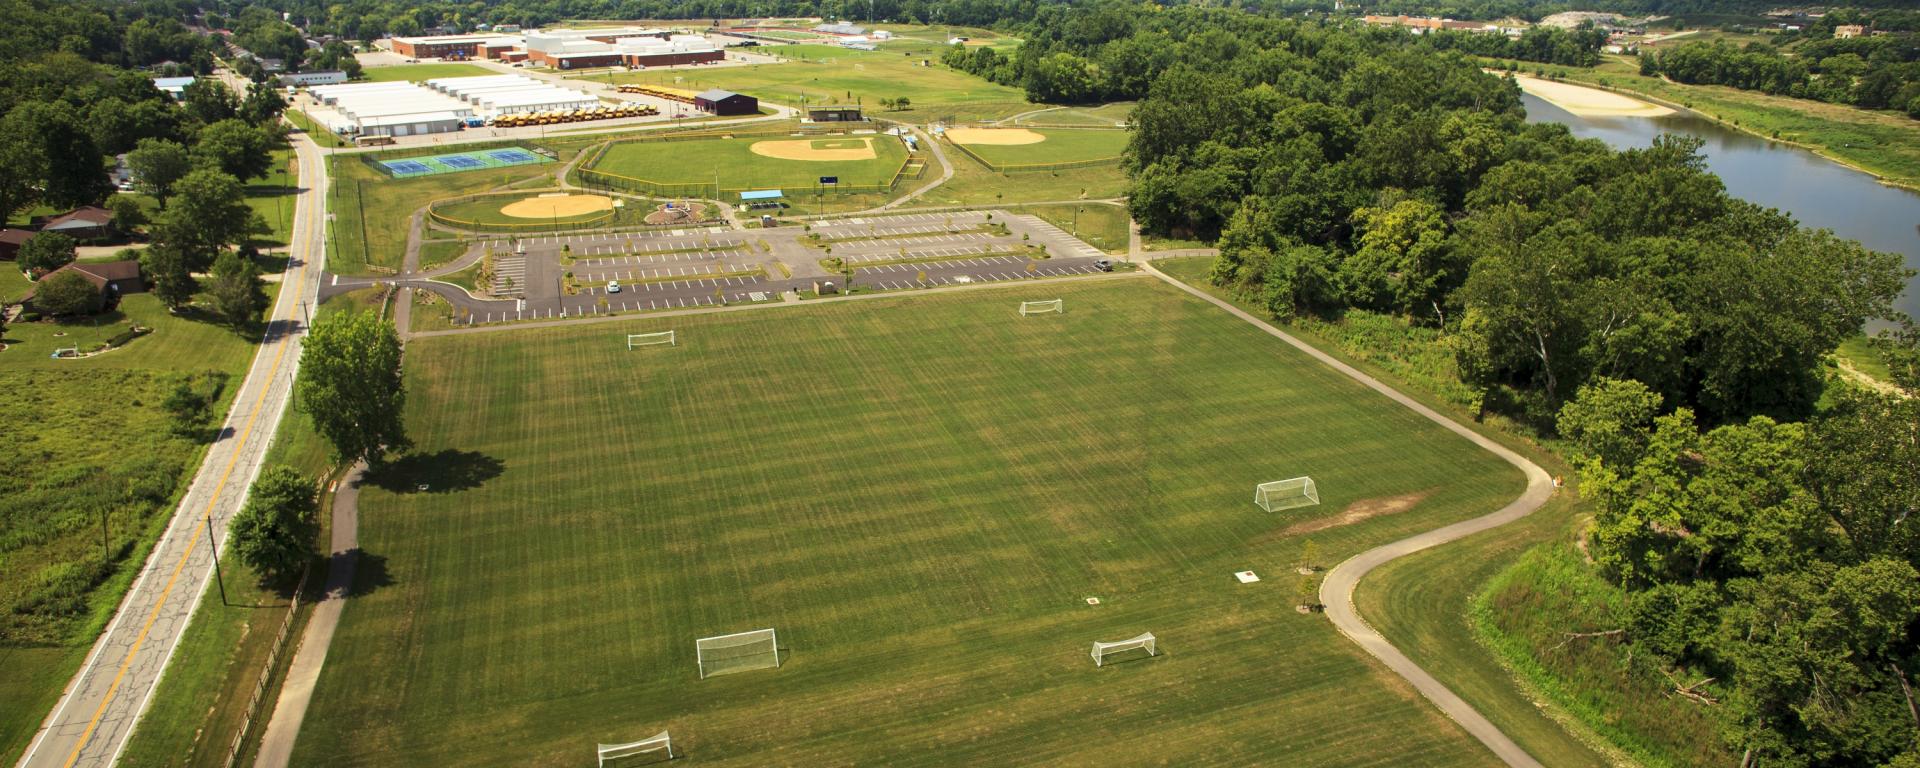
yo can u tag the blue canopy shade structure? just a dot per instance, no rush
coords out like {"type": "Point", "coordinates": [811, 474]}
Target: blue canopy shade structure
{"type": "Point", "coordinates": [760, 195]}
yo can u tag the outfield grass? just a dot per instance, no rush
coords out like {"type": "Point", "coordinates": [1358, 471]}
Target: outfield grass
{"type": "Point", "coordinates": [818, 74]}
{"type": "Point", "coordinates": [734, 164]}
{"type": "Point", "coordinates": [973, 184]}
{"type": "Point", "coordinates": [422, 72]}
{"type": "Point", "coordinates": [921, 508]}
{"type": "Point", "coordinates": [1063, 145]}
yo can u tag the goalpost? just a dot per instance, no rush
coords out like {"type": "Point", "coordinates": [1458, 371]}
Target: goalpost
{"type": "Point", "coordinates": [1102, 650]}
{"type": "Point", "coordinates": [1286, 494]}
{"type": "Point", "coordinates": [738, 652]}
{"type": "Point", "coordinates": [651, 340]}
{"type": "Point", "coordinates": [1055, 306]}
{"type": "Point", "coordinates": [616, 751]}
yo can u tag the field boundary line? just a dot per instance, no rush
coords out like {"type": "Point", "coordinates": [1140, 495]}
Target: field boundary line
{"type": "Point", "coordinates": [1336, 590]}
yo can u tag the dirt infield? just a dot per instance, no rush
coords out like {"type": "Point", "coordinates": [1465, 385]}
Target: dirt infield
{"type": "Point", "coordinates": [994, 136]}
{"type": "Point", "coordinates": [817, 149]}
{"type": "Point", "coordinates": [1588, 102]}
{"type": "Point", "coordinates": [556, 206]}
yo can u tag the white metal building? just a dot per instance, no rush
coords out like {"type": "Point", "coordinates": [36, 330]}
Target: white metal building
{"type": "Point", "coordinates": [392, 109]}
{"type": "Point", "coordinates": [510, 94]}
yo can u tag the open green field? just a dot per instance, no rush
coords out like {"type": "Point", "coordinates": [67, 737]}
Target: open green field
{"type": "Point", "coordinates": [83, 437]}
{"type": "Point", "coordinates": [372, 211]}
{"type": "Point", "coordinates": [921, 509]}
{"type": "Point", "coordinates": [820, 74]}
{"type": "Point", "coordinates": [1062, 145]}
{"type": "Point", "coordinates": [419, 72]}
{"type": "Point", "coordinates": [736, 166]}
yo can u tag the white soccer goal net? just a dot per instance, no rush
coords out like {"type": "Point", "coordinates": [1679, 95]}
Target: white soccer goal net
{"type": "Point", "coordinates": [1102, 650]}
{"type": "Point", "coordinates": [641, 747]}
{"type": "Point", "coordinates": [1055, 306]}
{"type": "Point", "coordinates": [651, 339]}
{"type": "Point", "coordinates": [737, 652]}
{"type": "Point", "coordinates": [1286, 494]}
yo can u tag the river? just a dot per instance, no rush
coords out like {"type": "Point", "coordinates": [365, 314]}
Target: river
{"type": "Point", "coordinates": [1814, 190]}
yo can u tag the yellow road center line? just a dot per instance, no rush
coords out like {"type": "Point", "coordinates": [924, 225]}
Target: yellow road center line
{"type": "Point", "coordinates": [299, 285]}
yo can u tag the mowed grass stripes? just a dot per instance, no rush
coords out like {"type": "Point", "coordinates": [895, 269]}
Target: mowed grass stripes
{"type": "Point", "coordinates": [919, 493]}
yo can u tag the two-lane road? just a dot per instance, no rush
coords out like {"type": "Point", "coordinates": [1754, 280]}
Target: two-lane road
{"type": "Point", "coordinates": [95, 716]}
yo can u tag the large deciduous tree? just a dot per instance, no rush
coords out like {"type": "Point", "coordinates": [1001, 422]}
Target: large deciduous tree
{"type": "Point", "coordinates": [351, 387]}
{"type": "Point", "coordinates": [209, 214]}
{"type": "Point", "coordinates": [235, 148]}
{"type": "Point", "coordinates": [235, 289]}
{"type": "Point", "coordinates": [158, 164]}
{"type": "Point", "coordinates": [46, 252]}
{"type": "Point", "coordinates": [66, 293]}
{"type": "Point", "coordinates": [274, 533]}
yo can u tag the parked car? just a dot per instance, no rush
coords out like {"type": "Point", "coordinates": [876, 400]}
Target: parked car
{"type": "Point", "coordinates": [1104, 265]}
{"type": "Point", "coordinates": [613, 286]}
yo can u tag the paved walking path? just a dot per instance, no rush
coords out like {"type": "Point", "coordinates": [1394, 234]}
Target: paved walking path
{"type": "Point", "coordinates": [276, 746]}
{"type": "Point", "coordinates": [1336, 591]}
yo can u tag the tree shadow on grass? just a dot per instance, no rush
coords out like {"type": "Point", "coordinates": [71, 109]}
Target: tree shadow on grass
{"type": "Point", "coordinates": [444, 471]}
{"type": "Point", "coordinates": [369, 574]}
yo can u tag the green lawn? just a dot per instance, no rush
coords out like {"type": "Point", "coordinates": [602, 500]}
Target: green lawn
{"type": "Point", "coordinates": [421, 72]}
{"type": "Point", "coordinates": [372, 211]}
{"type": "Point", "coordinates": [1063, 145]}
{"type": "Point", "coordinates": [820, 74]}
{"type": "Point", "coordinates": [738, 167]}
{"type": "Point", "coordinates": [920, 498]}
{"type": "Point", "coordinates": [274, 197]}
{"type": "Point", "coordinates": [973, 184]}
{"type": "Point", "coordinates": [202, 701]}
{"type": "Point", "coordinates": [58, 586]}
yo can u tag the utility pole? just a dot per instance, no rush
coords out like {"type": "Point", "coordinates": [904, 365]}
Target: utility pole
{"type": "Point", "coordinates": [215, 548]}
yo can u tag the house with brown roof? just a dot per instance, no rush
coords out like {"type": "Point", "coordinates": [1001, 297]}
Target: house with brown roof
{"type": "Point", "coordinates": [88, 222]}
{"type": "Point", "coordinates": [113, 279]}
{"type": "Point", "coordinates": [11, 240]}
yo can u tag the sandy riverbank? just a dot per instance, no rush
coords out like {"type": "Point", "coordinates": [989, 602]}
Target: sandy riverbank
{"type": "Point", "coordinates": [1588, 102]}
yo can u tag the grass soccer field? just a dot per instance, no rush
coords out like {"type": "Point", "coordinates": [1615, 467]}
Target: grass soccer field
{"type": "Point", "coordinates": [1016, 146]}
{"type": "Point", "coordinates": [831, 74]}
{"type": "Point", "coordinates": [740, 164]}
{"type": "Point", "coordinates": [919, 494]}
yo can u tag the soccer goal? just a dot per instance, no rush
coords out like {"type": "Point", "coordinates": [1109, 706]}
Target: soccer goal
{"type": "Point", "coordinates": [1055, 306]}
{"type": "Point", "coordinates": [737, 652]}
{"type": "Point", "coordinates": [651, 340]}
{"type": "Point", "coordinates": [1286, 494]}
{"type": "Point", "coordinates": [1102, 650]}
{"type": "Point", "coordinates": [641, 747]}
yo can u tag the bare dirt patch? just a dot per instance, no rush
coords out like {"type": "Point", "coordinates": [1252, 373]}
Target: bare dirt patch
{"type": "Point", "coordinates": [816, 149]}
{"type": "Point", "coordinates": [998, 137]}
{"type": "Point", "coordinates": [556, 206]}
{"type": "Point", "coordinates": [1364, 509]}
{"type": "Point", "coordinates": [683, 213]}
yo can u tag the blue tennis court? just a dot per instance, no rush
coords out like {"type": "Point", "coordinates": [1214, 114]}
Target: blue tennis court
{"type": "Point", "coordinates": [460, 161]}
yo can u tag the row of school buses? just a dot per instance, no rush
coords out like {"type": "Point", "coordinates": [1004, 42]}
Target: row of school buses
{"type": "Point", "coordinates": [572, 116]}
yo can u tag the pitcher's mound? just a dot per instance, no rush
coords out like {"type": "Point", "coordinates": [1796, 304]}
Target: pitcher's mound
{"type": "Point", "coordinates": [556, 206]}
{"type": "Point", "coordinates": [816, 149]}
{"type": "Point", "coordinates": [994, 136]}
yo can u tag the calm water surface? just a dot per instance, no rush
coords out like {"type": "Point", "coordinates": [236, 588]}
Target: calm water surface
{"type": "Point", "coordinates": [1816, 191]}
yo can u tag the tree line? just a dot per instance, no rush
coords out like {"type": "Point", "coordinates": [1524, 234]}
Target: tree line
{"type": "Point", "coordinates": [1879, 72]}
{"type": "Point", "coordinates": [1675, 335]}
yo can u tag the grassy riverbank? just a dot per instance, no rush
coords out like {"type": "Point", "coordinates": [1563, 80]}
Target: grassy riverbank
{"type": "Point", "coordinates": [1885, 144]}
